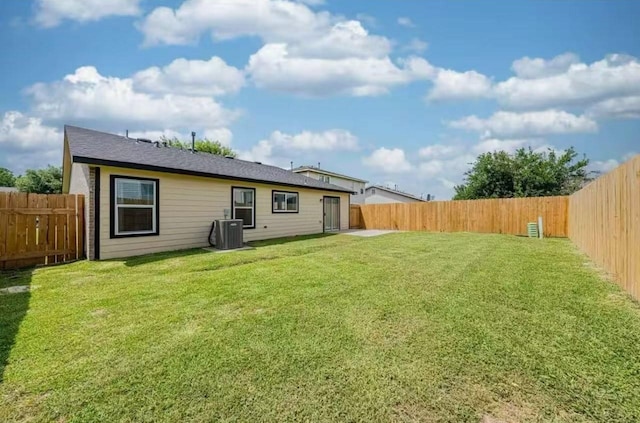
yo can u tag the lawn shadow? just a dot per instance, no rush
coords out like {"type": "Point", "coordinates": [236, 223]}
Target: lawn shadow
{"type": "Point", "coordinates": [14, 303]}
{"type": "Point", "coordinates": [150, 258]}
{"type": "Point", "coordinates": [289, 239]}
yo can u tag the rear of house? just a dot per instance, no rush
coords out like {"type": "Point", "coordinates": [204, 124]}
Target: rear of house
{"type": "Point", "coordinates": [144, 197]}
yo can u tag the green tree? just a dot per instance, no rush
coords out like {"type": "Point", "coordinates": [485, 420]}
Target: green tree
{"type": "Point", "coordinates": [6, 178]}
{"type": "Point", "coordinates": [524, 174]}
{"type": "Point", "coordinates": [41, 181]}
{"type": "Point", "coordinates": [202, 145]}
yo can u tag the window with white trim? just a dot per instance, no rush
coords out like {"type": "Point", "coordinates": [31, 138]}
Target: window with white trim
{"type": "Point", "coordinates": [284, 202]}
{"type": "Point", "coordinates": [134, 203]}
{"type": "Point", "coordinates": [244, 206]}
{"type": "Point", "coordinates": [325, 178]}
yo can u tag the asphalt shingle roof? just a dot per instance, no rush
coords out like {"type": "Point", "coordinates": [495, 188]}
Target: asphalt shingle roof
{"type": "Point", "coordinates": [95, 147]}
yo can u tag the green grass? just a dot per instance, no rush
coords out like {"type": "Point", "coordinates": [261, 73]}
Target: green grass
{"type": "Point", "coordinates": [402, 327]}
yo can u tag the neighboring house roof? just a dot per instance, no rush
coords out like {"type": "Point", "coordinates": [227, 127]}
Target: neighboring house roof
{"type": "Point", "coordinates": [8, 189]}
{"type": "Point", "coordinates": [325, 172]}
{"type": "Point", "coordinates": [101, 148]}
{"type": "Point", "coordinates": [401, 193]}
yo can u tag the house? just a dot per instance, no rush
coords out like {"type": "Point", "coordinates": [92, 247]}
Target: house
{"type": "Point", "coordinates": [143, 197]}
{"type": "Point", "coordinates": [378, 194]}
{"type": "Point", "coordinates": [8, 189]}
{"type": "Point", "coordinates": [354, 184]}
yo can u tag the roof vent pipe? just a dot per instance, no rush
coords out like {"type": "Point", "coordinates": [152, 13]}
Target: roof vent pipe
{"type": "Point", "coordinates": [291, 164]}
{"type": "Point", "coordinates": [126, 134]}
{"type": "Point", "coordinates": [193, 142]}
{"type": "Point", "coordinates": [318, 165]}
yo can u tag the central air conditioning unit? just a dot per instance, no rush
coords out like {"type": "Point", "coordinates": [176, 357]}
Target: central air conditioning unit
{"type": "Point", "coordinates": [228, 234]}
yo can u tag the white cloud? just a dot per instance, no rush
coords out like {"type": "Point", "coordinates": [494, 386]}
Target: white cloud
{"type": "Point", "coordinates": [26, 142]}
{"type": "Point", "coordinates": [388, 160]}
{"type": "Point", "coordinates": [50, 13]}
{"type": "Point", "coordinates": [528, 68]}
{"type": "Point", "coordinates": [191, 77]}
{"type": "Point", "coordinates": [603, 166]}
{"type": "Point", "coordinates": [450, 167]}
{"type": "Point", "coordinates": [273, 68]}
{"type": "Point", "coordinates": [346, 39]}
{"type": "Point", "coordinates": [273, 21]}
{"type": "Point", "coordinates": [261, 152]}
{"type": "Point", "coordinates": [305, 52]}
{"type": "Point", "coordinates": [311, 2]}
{"type": "Point", "coordinates": [88, 96]}
{"type": "Point", "coordinates": [509, 145]}
{"type": "Point", "coordinates": [406, 22]}
{"type": "Point", "coordinates": [511, 124]}
{"type": "Point", "coordinates": [300, 143]}
{"type": "Point", "coordinates": [417, 45]}
{"type": "Point", "coordinates": [580, 85]}
{"type": "Point", "coordinates": [618, 108]}
{"type": "Point", "coordinates": [223, 135]}
{"type": "Point", "coordinates": [450, 85]}
{"type": "Point", "coordinates": [607, 88]}
{"type": "Point", "coordinates": [436, 151]}
{"type": "Point", "coordinates": [331, 140]}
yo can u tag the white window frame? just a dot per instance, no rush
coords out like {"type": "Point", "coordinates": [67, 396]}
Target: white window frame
{"type": "Point", "coordinates": [153, 207]}
{"type": "Point", "coordinates": [252, 208]}
{"type": "Point", "coordinates": [286, 195]}
{"type": "Point", "coordinates": [325, 178]}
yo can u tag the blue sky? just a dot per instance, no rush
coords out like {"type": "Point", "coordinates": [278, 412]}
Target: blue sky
{"type": "Point", "coordinates": [395, 92]}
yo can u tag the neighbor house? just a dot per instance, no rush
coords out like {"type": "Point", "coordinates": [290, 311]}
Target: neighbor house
{"type": "Point", "coordinates": [378, 194]}
{"type": "Point", "coordinates": [349, 182]}
{"type": "Point", "coordinates": [143, 197]}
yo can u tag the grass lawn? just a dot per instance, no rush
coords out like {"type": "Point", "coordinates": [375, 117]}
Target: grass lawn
{"type": "Point", "coordinates": [402, 327]}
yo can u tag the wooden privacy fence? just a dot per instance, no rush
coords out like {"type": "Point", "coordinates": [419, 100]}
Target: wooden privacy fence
{"type": "Point", "coordinates": [503, 215]}
{"type": "Point", "coordinates": [354, 216]}
{"type": "Point", "coordinates": [40, 229]}
{"type": "Point", "coordinates": [604, 222]}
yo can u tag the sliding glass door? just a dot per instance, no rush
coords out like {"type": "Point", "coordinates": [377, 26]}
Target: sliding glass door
{"type": "Point", "coordinates": [331, 214]}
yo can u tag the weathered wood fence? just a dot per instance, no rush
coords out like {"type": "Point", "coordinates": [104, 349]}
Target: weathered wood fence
{"type": "Point", "coordinates": [40, 229]}
{"type": "Point", "coordinates": [502, 216]}
{"type": "Point", "coordinates": [604, 222]}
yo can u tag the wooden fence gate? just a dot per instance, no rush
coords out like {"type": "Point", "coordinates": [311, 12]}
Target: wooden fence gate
{"type": "Point", "coordinates": [40, 229]}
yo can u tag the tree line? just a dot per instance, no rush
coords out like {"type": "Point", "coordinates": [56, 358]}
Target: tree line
{"type": "Point", "coordinates": [41, 181]}
{"type": "Point", "coordinates": [525, 173]}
